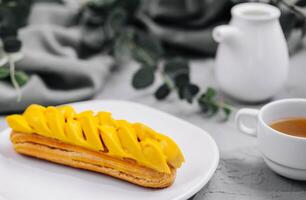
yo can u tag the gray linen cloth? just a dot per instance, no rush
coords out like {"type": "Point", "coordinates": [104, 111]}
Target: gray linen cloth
{"type": "Point", "coordinates": [57, 75]}
{"type": "Point", "coordinates": [186, 23]}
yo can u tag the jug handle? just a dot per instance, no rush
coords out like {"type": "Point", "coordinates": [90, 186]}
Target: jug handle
{"type": "Point", "coordinates": [224, 33]}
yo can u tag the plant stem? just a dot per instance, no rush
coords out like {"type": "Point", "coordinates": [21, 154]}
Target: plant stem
{"type": "Point", "coordinates": [13, 78]}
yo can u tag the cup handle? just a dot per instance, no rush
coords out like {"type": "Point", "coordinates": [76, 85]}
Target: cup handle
{"type": "Point", "coordinates": [241, 126]}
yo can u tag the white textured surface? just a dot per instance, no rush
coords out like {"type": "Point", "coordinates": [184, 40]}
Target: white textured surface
{"type": "Point", "coordinates": [241, 174]}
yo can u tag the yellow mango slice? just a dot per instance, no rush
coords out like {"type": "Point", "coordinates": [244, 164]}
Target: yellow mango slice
{"type": "Point", "coordinates": [168, 146]}
{"type": "Point", "coordinates": [74, 133]}
{"type": "Point", "coordinates": [105, 118]}
{"type": "Point", "coordinates": [129, 142]}
{"type": "Point", "coordinates": [90, 129]}
{"type": "Point", "coordinates": [154, 155]}
{"type": "Point", "coordinates": [171, 151]}
{"type": "Point", "coordinates": [84, 114]}
{"type": "Point", "coordinates": [35, 116]}
{"type": "Point", "coordinates": [56, 121]}
{"type": "Point", "coordinates": [143, 131]}
{"type": "Point", "coordinates": [19, 124]}
{"type": "Point", "coordinates": [66, 111]}
{"type": "Point", "coordinates": [111, 141]}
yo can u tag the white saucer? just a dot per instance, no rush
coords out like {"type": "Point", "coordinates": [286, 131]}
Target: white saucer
{"type": "Point", "coordinates": [288, 172]}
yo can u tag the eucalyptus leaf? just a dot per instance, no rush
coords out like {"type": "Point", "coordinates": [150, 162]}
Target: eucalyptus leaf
{"type": "Point", "coordinates": [214, 108]}
{"type": "Point", "coordinates": [188, 92]}
{"type": "Point", "coordinates": [143, 56]}
{"type": "Point", "coordinates": [181, 80]}
{"type": "Point", "coordinates": [210, 93]}
{"type": "Point", "coordinates": [21, 78]}
{"type": "Point", "coordinates": [162, 92]}
{"type": "Point", "coordinates": [207, 105]}
{"type": "Point", "coordinates": [144, 77]}
{"type": "Point", "coordinates": [4, 72]}
{"type": "Point", "coordinates": [204, 106]}
{"type": "Point", "coordinates": [149, 43]}
{"type": "Point", "coordinates": [210, 104]}
{"type": "Point", "coordinates": [176, 66]}
{"type": "Point", "coordinates": [122, 46]}
{"type": "Point", "coordinates": [177, 70]}
{"type": "Point", "coordinates": [227, 111]}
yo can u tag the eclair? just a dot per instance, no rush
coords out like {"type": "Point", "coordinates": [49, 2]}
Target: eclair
{"type": "Point", "coordinates": [96, 142]}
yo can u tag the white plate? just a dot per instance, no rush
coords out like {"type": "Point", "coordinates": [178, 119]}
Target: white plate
{"type": "Point", "coordinates": [29, 179]}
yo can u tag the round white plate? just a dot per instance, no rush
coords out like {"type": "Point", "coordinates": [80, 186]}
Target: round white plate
{"type": "Point", "coordinates": [30, 179]}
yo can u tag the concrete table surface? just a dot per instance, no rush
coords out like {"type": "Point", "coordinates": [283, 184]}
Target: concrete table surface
{"type": "Point", "coordinates": [241, 174]}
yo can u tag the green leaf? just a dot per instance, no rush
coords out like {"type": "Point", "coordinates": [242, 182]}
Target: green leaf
{"type": "Point", "coordinates": [213, 107]}
{"type": "Point", "coordinates": [210, 105]}
{"type": "Point", "coordinates": [147, 49]}
{"type": "Point", "coordinates": [203, 105]}
{"type": "Point", "coordinates": [4, 72]}
{"type": "Point", "coordinates": [227, 111]}
{"type": "Point", "coordinates": [176, 66]}
{"type": "Point", "coordinates": [188, 92]}
{"type": "Point", "coordinates": [122, 46]}
{"type": "Point", "coordinates": [21, 78]}
{"type": "Point", "coordinates": [144, 77]}
{"type": "Point", "coordinates": [143, 56]}
{"type": "Point", "coordinates": [181, 80]}
{"type": "Point", "coordinates": [207, 101]}
{"type": "Point", "coordinates": [162, 92]}
{"type": "Point", "coordinates": [210, 93]}
{"type": "Point", "coordinates": [149, 43]}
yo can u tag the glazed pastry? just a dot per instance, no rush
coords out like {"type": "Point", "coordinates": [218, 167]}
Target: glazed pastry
{"type": "Point", "coordinates": [129, 151]}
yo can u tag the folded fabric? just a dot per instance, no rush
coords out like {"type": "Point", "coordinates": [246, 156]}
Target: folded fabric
{"type": "Point", "coordinates": [186, 23]}
{"type": "Point", "coordinates": [57, 75]}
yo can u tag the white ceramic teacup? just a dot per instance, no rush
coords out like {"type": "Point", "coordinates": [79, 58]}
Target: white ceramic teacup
{"type": "Point", "coordinates": [285, 154]}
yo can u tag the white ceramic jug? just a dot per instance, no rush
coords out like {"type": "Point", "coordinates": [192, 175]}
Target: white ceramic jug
{"type": "Point", "coordinates": [252, 58]}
